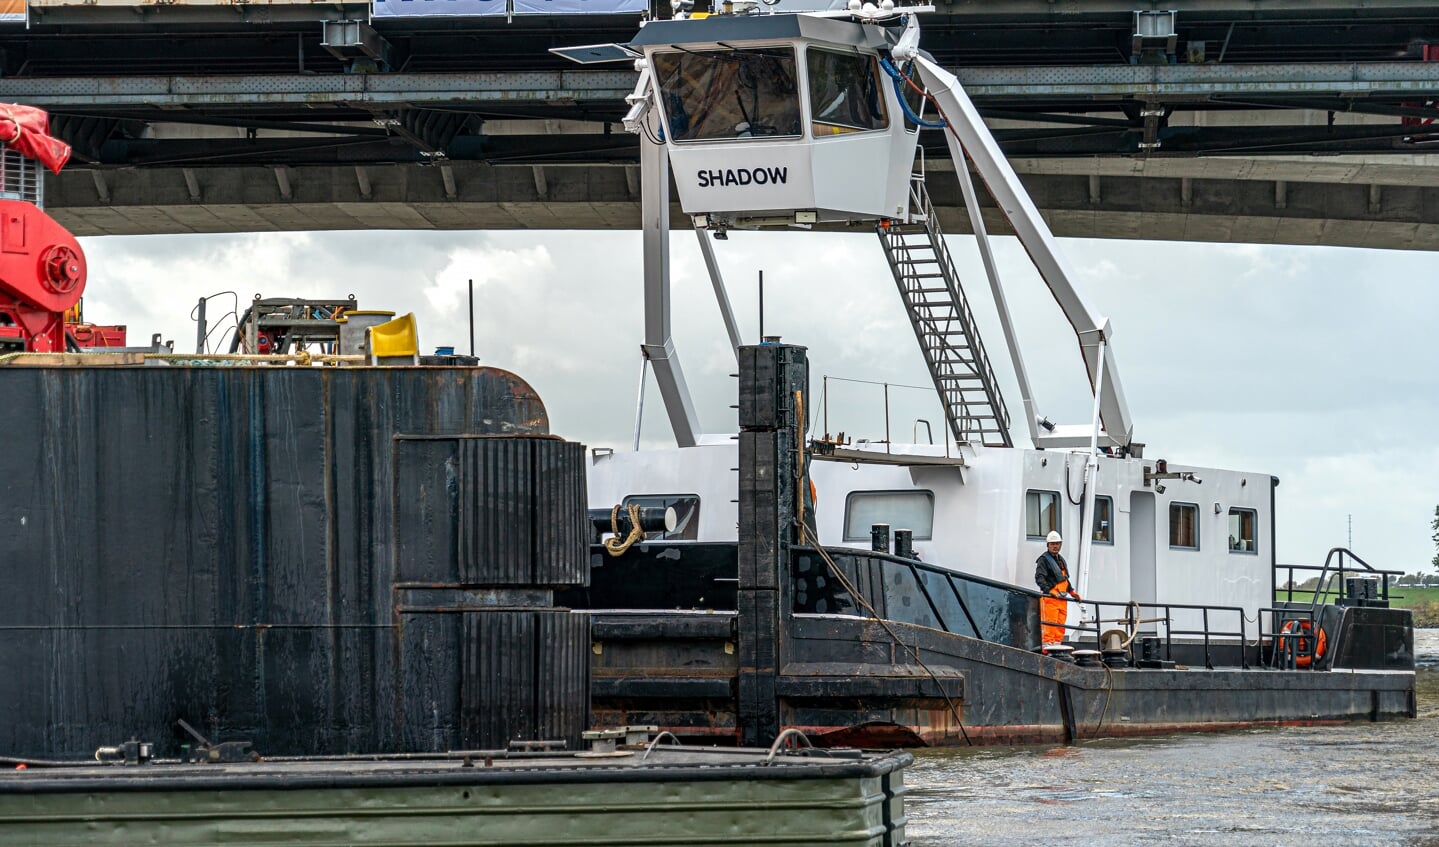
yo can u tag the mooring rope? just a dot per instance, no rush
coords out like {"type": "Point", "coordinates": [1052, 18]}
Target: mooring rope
{"type": "Point", "coordinates": [613, 545]}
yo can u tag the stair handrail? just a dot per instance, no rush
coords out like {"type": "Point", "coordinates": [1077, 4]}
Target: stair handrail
{"type": "Point", "coordinates": [981, 356]}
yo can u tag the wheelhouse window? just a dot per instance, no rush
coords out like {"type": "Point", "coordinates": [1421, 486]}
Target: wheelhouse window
{"type": "Point", "coordinates": [912, 510]}
{"type": "Point", "coordinates": [1183, 526]}
{"type": "Point", "coordinates": [1103, 520]}
{"type": "Point", "coordinates": [687, 514]}
{"type": "Point", "coordinates": [844, 92]}
{"type": "Point", "coordinates": [1243, 525]}
{"type": "Point", "coordinates": [727, 94]}
{"type": "Point", "coordinates": [1041, 514]}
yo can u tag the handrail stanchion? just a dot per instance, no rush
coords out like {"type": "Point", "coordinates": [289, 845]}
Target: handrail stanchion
{"type": "Point", "coordinates": [886, 418]}
{"type": "Point", "coordinates": [1168, 633]}
{"type": "Point", "coordinates": [1208, 662]}
{"type": "Point", "coordinates": [1244, 643]}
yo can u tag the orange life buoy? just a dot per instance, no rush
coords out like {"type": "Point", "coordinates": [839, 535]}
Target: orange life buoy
{"type": "Point", "coordinates": [1302, 656]}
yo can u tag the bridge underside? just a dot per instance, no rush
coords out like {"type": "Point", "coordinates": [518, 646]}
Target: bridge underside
{"type": "Point", "coordinates": [1156, 199]}
{"type": "Point", "coordinates": [1290, 122]}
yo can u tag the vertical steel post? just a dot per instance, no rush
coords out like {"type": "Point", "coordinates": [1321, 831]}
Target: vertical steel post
{"type": "Point", "coordinates": [825, 391]}
{"type": "Point", "coordinates": [1091, 482]}
{"type": "Point", "coordinates": [640, 403]}
{"type": "Point", "coordinates": [200, 326]}
{"type": "Point", "coordinates": [774, 379]}
{"type": "Point", "coordinates": [761, 307]}
{"type": "Point", "coordinates": [659, 346]}
{"type": "Point", "coordinates": [886, 417]}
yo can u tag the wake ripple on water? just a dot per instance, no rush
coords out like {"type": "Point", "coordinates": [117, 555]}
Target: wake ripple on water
{"type": "Point", "coordinates": [1359, 784]}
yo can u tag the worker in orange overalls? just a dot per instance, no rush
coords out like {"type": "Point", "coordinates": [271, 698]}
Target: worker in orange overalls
{"type": "Point", "coordinates": [1052, 575]}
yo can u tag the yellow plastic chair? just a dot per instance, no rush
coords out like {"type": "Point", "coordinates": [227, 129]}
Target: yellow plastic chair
{"type": "Point", "coordinates": [395, 342]}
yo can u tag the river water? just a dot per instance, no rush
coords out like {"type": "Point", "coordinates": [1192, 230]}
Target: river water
{"type": "Point", "coordinates": [1359, 784]}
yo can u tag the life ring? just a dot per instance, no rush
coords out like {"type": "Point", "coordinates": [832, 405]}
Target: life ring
{"type": "Point", "coordinates": [1302, 656]}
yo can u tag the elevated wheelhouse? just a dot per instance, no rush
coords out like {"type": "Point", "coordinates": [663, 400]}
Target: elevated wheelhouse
{"type": "Point", "coordinates": [779, 119]}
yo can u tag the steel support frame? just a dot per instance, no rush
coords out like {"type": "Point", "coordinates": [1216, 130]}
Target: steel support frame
{"type": "Point", "coordinates": [659, 347]}
{"type": "Point", "coordinates": [970, 136]}
{"type": "Point", "coordinates": [721, 295]}
{"type": "Point", "coordinates": [1001, 303]}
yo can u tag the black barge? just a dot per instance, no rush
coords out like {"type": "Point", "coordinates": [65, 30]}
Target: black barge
{"type": "Point", "coordinates": [333, 561]}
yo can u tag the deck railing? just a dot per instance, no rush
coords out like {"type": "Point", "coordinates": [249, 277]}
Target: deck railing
{"type": "Point", "coordinates": [1330, 584]}
{"type": "Point", "coordinates": [915, 592]}
{"type": "Point", "coordinates": [823, 423]}
{"type": "Point", "coordinates": [1138, 614]}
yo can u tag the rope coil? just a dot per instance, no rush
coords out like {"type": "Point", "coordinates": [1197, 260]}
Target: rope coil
{"type": "Point", "coordinates": [614, 545]}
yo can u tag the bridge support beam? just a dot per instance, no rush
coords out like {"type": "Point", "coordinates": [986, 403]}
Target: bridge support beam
{"type": "Point", "coordinates": [1244, 201]}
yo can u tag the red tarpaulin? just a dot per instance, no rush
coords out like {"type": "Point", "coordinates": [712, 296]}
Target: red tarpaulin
{"type": "Point", "coordinates": [26, 130]}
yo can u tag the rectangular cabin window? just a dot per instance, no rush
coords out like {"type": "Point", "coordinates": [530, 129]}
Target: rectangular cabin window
{"type": "Point", "coordinates": [912, 510]}
{"type": "Point", "coordinates": [1041, 514]}
{"type": "Point", "coordinates": [713, 95]}
{"type": "Point", "coordinates": [1103, 520]}
{"type": "Point", "coordinates": [844, 92]}
{"type": "Point", "coordinates": [687, 514]}
{"type": "Point", "coordinates": [1183, 526]}
{"type": "Point", "coordinates": [1243, 525]}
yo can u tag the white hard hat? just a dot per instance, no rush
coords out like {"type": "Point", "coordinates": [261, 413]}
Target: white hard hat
{"type": "Point", "coordinates": [1053, 538]}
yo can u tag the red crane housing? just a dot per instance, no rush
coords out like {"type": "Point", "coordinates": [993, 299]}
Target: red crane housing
{"type": "Point", "coordinates": [42, 268]}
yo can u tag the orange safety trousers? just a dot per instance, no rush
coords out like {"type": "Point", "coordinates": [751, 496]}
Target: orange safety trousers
{"type": "Point", "coordinates": [1053, 612]}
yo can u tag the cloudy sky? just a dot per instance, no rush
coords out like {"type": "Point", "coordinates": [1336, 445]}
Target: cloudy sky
{"type": "Point", "coordinates": [1317, 365]}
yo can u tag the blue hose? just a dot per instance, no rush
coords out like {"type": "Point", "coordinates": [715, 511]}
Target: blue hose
{"type": "Point", "coordinates": [899, 84]}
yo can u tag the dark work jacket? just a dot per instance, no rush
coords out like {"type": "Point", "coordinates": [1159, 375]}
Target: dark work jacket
{"type": "Point", "coordinates": [1049, 571]}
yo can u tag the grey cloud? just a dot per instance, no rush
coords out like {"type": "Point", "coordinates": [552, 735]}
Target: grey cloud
{"type": "Point", "coordinates": [1314, 364]}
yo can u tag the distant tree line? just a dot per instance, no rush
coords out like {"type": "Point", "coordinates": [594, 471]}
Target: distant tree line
{"type": "Point", "coordinates": [1434, 525]}
{"type": "Point", "coordinates": [1411, 580]}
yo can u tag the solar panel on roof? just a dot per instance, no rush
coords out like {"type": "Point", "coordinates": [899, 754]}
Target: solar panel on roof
{"type": "Point", "coordinates": [592, 54]}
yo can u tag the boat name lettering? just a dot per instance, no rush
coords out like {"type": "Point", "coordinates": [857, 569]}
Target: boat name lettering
{"type": "Point", "coordinates": [744, 176]}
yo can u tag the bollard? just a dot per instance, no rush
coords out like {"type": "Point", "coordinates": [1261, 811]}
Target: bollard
{"type": "Point", "coordinates": [904, 543]}
{"type": "Point", "coordinates": [879, 538]}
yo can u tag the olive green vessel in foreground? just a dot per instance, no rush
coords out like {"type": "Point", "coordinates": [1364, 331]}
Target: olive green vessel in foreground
{"type": "Point", "coordinates": [674, 796]}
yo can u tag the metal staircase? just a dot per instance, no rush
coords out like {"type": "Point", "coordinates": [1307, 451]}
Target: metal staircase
{"type": "Point", "coordinates": [944, 326]}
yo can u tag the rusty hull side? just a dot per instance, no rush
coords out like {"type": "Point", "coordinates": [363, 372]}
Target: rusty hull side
{"type": "Point", "coordinates": [848, 684]}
